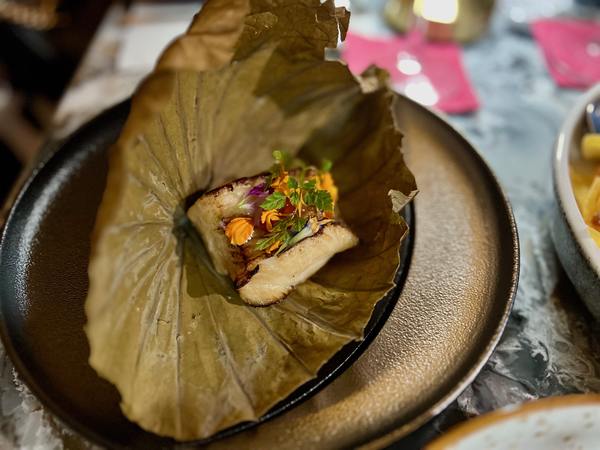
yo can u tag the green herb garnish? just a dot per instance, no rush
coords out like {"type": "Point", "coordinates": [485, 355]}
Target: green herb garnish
{"type": "Point", "coordinates": [274, 201]}
{"type": "Point", "coordinates": [299, 223]}
{"type": "Point", "coordinates": [323, 201]}
{"type": "Point", "coordinates": [301, 190]}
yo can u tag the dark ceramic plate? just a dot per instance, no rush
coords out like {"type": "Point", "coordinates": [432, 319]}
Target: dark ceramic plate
{"type": "Point", "coordinates": [43, 284]}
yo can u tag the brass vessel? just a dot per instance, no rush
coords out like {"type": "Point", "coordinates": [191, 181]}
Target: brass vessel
{"type": "Point", "coordinates": [459, 20]}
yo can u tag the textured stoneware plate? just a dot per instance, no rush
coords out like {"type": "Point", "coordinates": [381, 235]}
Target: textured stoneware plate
{"type": "Point", "coordinates": [569, 423]}
{"type": "Point", "coordinates": [453, 307]}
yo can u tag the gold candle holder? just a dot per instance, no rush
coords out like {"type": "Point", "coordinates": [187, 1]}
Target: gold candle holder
{"type": "Point", "coordinates": [441, 20]}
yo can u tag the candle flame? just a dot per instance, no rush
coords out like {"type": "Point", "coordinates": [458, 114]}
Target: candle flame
{"type": "Point", "coordinates": [439, 11]}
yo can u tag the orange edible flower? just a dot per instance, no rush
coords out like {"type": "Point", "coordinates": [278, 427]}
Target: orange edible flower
{"type": "Point", "coordinates": [270, 217]}
{"type": "Point", "coordinates": [239, 230]}
{"type": "Point", "coordinates": [326, 183]}
{"type": "Point", "coordinates": [280, 184]}
{"type": "Point", "coordinates": [274, 247]}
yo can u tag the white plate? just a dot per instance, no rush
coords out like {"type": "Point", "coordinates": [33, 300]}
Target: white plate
{"type": "Point", "coordinates": [566, 423]}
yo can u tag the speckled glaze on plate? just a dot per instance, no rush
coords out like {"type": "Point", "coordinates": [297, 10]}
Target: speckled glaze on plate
{"type": "Point", "coordinates": [578, 253]}
{"type": "Point", "coordinates": [569, 423]}
{"type": "Point", "coordinates": [455, 302]}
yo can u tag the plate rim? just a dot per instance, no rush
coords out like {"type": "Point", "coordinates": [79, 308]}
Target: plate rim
{"type": "Point", "coordinates": [46, 401]}
{"type": "Point", "coordinates": [402, 430]}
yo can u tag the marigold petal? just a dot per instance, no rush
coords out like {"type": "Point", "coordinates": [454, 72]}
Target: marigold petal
{"type": "Point", "coordinates": [269, 217]}
{"type": "Point", "coordinates": [283, 187]}
{"type": "Point", "coordinates": [274, 247]}
{"type": "Point", "coordinates": [239, 230]}
{"type": "Point", "coordinates": [280, 182]}
{"type": "Point", "coordinates": [326, 183]}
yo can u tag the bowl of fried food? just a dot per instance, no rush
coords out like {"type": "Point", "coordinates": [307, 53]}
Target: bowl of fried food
{"type": "Point", "coordinates": [576, 224]}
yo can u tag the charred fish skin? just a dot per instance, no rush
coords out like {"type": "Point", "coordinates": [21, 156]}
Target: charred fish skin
{"type": "Point", "coordinates": [207, 215]}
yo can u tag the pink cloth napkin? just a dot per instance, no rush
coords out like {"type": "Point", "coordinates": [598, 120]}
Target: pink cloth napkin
{"type": "Point", "coordinates": [430, 73]}
{"type": "Point", "coordinates": [572, 50]}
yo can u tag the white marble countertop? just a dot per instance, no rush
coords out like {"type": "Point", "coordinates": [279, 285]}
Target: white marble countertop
{"type": "Point", "coordinates": [551, 344]}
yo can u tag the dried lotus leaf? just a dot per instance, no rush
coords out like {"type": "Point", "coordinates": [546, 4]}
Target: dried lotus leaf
{"type": "Point", "coordinates": [188, 357]}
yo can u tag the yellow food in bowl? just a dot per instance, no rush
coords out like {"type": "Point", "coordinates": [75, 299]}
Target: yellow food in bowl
{"type": "Point", "coordinates": [590, 146]}
{"type": "Point", "coordinates": [585, 178]}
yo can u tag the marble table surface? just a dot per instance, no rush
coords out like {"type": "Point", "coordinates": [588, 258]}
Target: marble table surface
{"type": "Point", "coordinates": [551, 345]}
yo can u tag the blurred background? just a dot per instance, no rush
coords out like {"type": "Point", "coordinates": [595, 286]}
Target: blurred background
{"type": "Point", "coordinates": [43, 42]}
{"type": "Point", "coordinates": [41, 45]}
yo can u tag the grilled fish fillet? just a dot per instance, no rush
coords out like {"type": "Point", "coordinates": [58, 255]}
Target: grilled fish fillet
{"type": "Point", "coordinates": [262, 279]}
